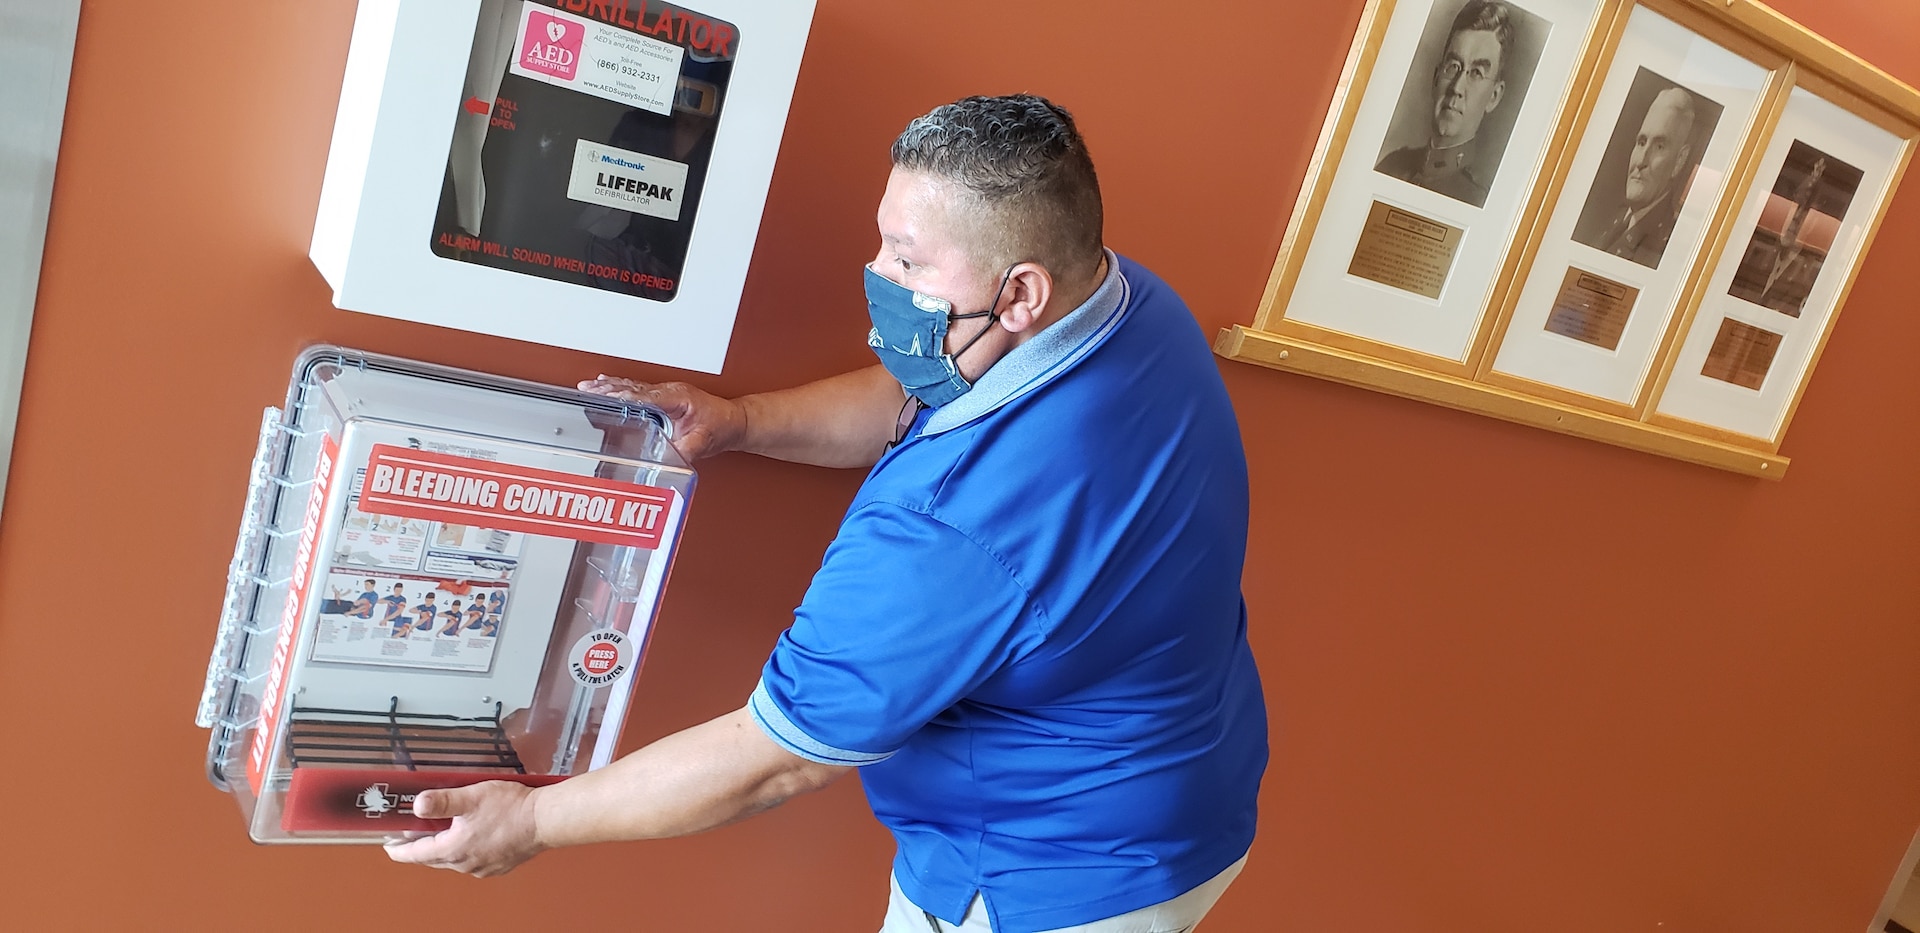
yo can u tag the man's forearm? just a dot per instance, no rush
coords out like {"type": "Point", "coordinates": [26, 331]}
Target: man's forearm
{"type": "Point", "coordinates": [694, 780]}
{"type": "Point", "coordinates": [842, 421]}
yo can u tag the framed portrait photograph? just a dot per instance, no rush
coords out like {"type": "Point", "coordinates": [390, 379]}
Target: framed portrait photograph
{"type": "Point", "coordinates": [1455, 112]}
{"type": "Point", "coordinates": [1650, 163]}
{"type": "Point", "coordinates": [1650, 171]}
{"type": "Point", "coordinates": [1634, 221]}
{"type": "Point", "coordinates": [1796, 230]}
{"type": "Point", "coordinates": [1821, 185]}
{"type": "Point", "coordinates": [1427, 169]}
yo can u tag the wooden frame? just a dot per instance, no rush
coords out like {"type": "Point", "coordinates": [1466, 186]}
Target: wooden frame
{"type": "Point", "coordinates": [1747, 148]}
{"type": "Point", "coordinates": [1788, 56]}
{"type": "Point", "coordinates": [1517, 175]}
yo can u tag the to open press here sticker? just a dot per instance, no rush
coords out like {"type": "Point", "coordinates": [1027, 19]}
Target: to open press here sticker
{"type": "Point", "coordinates": [600, 657]}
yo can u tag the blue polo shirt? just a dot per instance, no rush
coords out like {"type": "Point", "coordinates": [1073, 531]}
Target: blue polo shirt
{"type": "Point", "coordinates": [1029, 633]}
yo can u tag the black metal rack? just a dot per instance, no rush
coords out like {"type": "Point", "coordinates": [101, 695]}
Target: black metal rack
{"type": "Point", "coordinates": [390, 738]}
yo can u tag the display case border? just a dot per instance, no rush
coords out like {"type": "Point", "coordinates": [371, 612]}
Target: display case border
{"type": "Point", "coordinates": [1276, 351]}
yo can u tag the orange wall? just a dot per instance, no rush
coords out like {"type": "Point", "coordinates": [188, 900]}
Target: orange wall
{"type": "Point", "coordinates": [1520, 681]}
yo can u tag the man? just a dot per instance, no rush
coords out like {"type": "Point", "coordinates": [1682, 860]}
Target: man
{"type": "Point", "coordinates": [1779, 274]}
{"type": "Point", "coordinates": [1467, 85]}
{"type": "Point", "coordinates": [1656, 175]}
{"type": "Point", "coordinates": [424, 614]}
{"type": "Point", "coordinates": [335, 602]}
{"type": "Point", "coordinates": [394, 606]}
{"type": "Point", "coordinates": [1028, 634]}
{"type": "Point", "coordinates": [364, 605]}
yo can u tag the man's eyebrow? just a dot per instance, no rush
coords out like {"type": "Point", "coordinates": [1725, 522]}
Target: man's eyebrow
{"type": "Point", "coordinates": [901, 240]}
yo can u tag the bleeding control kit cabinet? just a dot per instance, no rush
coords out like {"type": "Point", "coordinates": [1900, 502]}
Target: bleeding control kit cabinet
{"type": "Point", "coordinates": [441, 577]}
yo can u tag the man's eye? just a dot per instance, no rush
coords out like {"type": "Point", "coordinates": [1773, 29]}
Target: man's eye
{"type": "Point", "coordinates": [905, 265]}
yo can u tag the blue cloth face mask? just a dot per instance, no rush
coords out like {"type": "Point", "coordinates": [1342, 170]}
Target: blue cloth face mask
{"type": "Point", "coordinates": [910, 336]}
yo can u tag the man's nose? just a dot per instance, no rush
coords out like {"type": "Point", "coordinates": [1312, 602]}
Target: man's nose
{"type": "Point", "coordinates": [886, 270]}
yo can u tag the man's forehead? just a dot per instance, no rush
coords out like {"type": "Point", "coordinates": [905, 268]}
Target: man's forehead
{"type": "Point", "coordinates": [919, 211]}
{"type": "Point", "coordinates": [1474, 42]}
{"type": "Point", "coordinates": [911, 196]}
{"type": "Point", "coordinates": [1662, 119]}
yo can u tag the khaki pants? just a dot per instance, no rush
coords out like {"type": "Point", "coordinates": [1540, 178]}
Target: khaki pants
{"type": "Point", "coordinates": [1179, 915]}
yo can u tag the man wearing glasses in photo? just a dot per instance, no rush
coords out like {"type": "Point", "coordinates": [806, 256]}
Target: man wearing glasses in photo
{"type": "Point", "coordinates": [1467, 85]}
{"type": "Point", "coordinates": [1028, 635]}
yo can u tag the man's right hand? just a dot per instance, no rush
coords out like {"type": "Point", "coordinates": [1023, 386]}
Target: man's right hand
{"type": "Point", "coordinates": [703, 424]}
{"type": "Point", "coordinates": [841, 421]}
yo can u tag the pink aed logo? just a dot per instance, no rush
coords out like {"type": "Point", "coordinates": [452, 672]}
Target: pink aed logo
{"type": "Point", "coordinates": [551, 45]}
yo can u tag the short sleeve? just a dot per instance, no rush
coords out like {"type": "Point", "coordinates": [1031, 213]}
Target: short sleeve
{"type": "Point", "coordinates": [905, 617]}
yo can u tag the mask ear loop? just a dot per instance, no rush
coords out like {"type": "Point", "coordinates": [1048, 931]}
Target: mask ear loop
{"type": "Point", "coordinates": [991, 314]}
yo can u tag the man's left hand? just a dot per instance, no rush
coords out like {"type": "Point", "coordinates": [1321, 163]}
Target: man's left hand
{"type": "Point", "coordinates": [492, 833]}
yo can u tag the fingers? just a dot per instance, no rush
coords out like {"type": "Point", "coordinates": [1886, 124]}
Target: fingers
{"type": "Point", "coordinates": [604, 382]}
{"type": "Point", "coordinates": [427, 850]}
{"type": "Point", "coordinates": [669, 396]}
{"type": "Point", "coordinates": [604, 386]}
{"type": "Point", "coordinates": [443, 803]}
{"type": "Point", "coordinates": [448, 850]}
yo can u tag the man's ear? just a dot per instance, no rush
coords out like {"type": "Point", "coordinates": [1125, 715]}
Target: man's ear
{"type": "Point", "coordinates": [1499, 91]}
{"type": "Point", "coordinates": [1026, 297]}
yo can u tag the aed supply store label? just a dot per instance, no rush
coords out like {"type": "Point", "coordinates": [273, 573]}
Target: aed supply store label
{"type": "Point", "coordinates": [582, 139]}
{"type": "Point", "coordinates": [603, 60]}
{"type": "Point", "coordinates": [600, 658]}
{"type": "Point", "coordinates": [488, 494]}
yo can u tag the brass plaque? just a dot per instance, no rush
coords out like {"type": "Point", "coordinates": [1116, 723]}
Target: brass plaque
{"type": "Point", "coordinates": [1741, 354]}
{"type": "Point", "coordinates": [1592, 309]}
{"type": "Point", "coordinates": [1405, 251]}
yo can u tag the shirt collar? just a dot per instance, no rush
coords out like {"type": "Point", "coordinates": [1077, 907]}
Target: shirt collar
{"type": "Point", "coordinates": [1036, 362]}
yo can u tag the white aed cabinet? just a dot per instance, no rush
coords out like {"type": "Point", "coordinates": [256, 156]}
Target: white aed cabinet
{"type": "Point", "coordinates": [579, 173]}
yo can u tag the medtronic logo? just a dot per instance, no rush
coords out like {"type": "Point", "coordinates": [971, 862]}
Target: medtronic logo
{"type": "Point", "coordinates": [610, 160]}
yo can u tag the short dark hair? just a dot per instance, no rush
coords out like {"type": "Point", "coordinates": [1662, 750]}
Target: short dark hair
{"type": "Point", "coordinates": [1026, 167]}
{"type": "Point", "coordinates": [1488, 16]}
